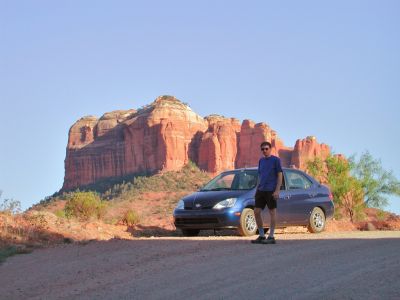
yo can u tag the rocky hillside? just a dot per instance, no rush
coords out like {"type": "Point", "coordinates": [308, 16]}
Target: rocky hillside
{"type": "Point", "coordinates": [164, 136]}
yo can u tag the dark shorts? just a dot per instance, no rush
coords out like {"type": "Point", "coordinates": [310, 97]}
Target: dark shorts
{"type": "Point", "coordinates": [265, 198]}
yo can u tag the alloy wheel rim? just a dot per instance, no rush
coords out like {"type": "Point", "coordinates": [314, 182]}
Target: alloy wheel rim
{"type": "Point", "coordinates": [250, 223]}
{"type": "Point", "coordinates": [318, 220]}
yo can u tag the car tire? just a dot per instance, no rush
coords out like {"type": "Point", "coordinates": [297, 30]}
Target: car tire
{"type": "Point", "coordinates": [190, 232]}
{"type": "Point", "coordinates": [248, 225]}
{"type": "Point", "coordinates": [317, 220]}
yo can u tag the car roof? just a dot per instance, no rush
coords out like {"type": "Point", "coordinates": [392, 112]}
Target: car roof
{"type": "Point", "coordinates": [256, 168]}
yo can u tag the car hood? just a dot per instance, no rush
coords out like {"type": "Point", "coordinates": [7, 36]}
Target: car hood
{"type": "Point", "coordinates": [208, 199]}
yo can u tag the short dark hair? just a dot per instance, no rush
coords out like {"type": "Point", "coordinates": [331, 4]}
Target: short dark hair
{"type": "Point", "coordinates": [266, 144]}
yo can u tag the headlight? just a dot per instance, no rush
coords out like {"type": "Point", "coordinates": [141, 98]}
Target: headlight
{"type": "Point", "coordinates": [226, 203]}
{"type": "Point", "coordinates": [180, 205]}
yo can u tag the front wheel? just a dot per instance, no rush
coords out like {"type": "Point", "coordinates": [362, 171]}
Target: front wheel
{"type": "Point", "coordinates": [190, 232]}
{"type": "Point", "coordinates": [248, 225]}
{"type": "Point", "coordinates": [317, 220]}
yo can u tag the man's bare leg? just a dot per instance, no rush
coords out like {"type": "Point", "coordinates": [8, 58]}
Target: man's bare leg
{"type": "Point", "coordinates": [259, 221]}
{"type": "Point", "coordinates": [272, 213]}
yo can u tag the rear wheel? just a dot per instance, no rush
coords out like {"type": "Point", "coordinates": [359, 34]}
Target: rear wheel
{"type": "Point", "coordinates": [190, 232]}
{"type": "Point", "coordinates": [248, 225]}
{"type": "Point", "coordinates": [317, 220]}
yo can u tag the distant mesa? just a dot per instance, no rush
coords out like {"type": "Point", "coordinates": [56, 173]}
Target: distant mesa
{"type": "Point", "coordinates": [167, 134]}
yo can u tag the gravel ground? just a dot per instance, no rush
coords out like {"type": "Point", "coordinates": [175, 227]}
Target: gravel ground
{"type": "Point", "coordinates": [341, 265]}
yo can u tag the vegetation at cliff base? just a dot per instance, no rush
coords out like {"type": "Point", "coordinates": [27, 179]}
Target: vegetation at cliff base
{"type": "Point", "coordinates": [84, 205]}
{"type": "Point", "coordinates": [189, 178]}
{"type": "Point", "coordinates": [128, 202]}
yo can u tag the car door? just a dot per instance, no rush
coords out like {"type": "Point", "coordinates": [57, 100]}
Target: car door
{"type": "Point", "coordinates": [296, 200]}
{"type": "Point", "coordinates": [282, 211]}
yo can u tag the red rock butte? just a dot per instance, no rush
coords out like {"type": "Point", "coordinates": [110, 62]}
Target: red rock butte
{"type": "Point", "coordinates": [165, 135]}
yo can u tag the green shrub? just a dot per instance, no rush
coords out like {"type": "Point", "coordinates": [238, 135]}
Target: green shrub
{"type": "Point", "coordinates": [131, 218]}
{"type": "Point", "coordinates": [9, 251]}
{"type": "Point", "coordinates": [381, 215]}
{"type": "Point", "coordinates": [13, 250]}
{"type": "Point", "coordinates": [112, 221]}
{"type": "Point", "coordinates": [85, 205]}
{"type": "Point", "coordinates": [60, 213]}
{"type": "Point", "coordinates": [338, 214]}
{"type": "Point", "coordinates": [189, 178]}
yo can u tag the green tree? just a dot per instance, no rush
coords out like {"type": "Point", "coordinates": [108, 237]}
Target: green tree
{"type": "Point", "coordinates": [352, 199]}
{"type": "Point", "coordinates": [316, 169]}
{"type": "Point", "coordinates": [376, 182]}
{"type": "Point", "coordinates": [347, 191]}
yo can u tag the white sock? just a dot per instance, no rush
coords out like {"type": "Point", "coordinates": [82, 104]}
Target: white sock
{"type": "Point", "coordinates": [261, 231]}
{"type": "Point", "coordinates": [271, 231]}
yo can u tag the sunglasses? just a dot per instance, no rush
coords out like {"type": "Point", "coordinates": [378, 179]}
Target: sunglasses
{"type": "Point", "coordinates": [265, 149]}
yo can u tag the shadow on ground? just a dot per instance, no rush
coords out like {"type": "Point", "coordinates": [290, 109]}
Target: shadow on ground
{"type": "Point", "coordinates": [155, 231]}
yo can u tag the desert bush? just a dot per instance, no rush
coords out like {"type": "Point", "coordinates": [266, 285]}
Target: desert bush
{"type": "Point", "coordinates": [60, 213]}
{"type": "Point", "coordinates": [6, 252]}
{"type": "Point", "coordinates": [131, 218]}
{"type": "Point", "coordinates": [37, 220]}
{"type": "Point", "coordinates": [189, 178]}
{"type": "Point", "coordinates": [84, 205]}
{"type": "Point", "coordinates": [338, 214]}
{"type": "Point", "coordinates": [112, 221]}
{"type": "Point", "coordinates": [10, 206]}
{"type": "Point", "coordinates": [381, 215]}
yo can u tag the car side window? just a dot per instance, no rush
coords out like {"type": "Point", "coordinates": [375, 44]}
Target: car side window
{"type": "Point", "coordinates": [296, 181]}
{"type": "Point", "coordinates": [244, 180]}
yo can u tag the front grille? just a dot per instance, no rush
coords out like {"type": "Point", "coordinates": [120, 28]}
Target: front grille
{"type": "Point", "coordinates": [194, 221]}
{"type": "Point", "coordinates": [194, 208]}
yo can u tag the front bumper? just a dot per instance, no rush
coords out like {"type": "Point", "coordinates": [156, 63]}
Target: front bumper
{"type": "Point", "coordinates": [206, 218]}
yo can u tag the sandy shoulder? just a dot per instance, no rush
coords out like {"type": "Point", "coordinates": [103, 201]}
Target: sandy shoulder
{"type": "Point", "coordinates": [202, 267]}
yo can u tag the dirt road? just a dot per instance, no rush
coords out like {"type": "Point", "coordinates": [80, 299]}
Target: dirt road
{"type": "Point", "coordinates": [351, 265]}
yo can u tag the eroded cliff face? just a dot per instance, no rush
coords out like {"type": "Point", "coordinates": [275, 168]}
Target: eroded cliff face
{"type": "Point", "coordinates": [307, 149]}
{"type": "Point", "coordinates": [95, 149]}
{"type": "Point", "coordinates": [218, 145]}
{"type": "Point", "coordinates": [166, 135]}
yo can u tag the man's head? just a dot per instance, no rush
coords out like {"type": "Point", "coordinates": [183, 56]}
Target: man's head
{"type": "Point", "coordinates": [266, 148]}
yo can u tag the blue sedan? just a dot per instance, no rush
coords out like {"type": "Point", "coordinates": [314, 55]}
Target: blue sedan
{"type": "Point", "coordinates": [227, 201]}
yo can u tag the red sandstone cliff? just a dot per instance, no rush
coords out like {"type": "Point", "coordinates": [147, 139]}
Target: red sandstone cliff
{"type": "Point", "coordinates": [218, 146]}
{"type": "Point", "coordinates": [165, 135]}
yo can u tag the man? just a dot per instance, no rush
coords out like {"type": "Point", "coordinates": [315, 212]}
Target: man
{"type": "Point", "coordinates": [269, 185]}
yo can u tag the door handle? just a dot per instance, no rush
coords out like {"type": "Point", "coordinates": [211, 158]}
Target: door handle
{"type": "Point", "coordinates": [313, 194]}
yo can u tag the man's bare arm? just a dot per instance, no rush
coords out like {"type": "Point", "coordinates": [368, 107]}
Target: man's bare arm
{"type": "Point", "coordinates": [278, 185]}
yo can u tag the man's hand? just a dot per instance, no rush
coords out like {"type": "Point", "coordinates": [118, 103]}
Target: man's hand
{"type": "Point", "coordinates": [276, 195]}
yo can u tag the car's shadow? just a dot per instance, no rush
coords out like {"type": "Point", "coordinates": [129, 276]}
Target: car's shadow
{"type": "Point", "coordinates": [155, 231]}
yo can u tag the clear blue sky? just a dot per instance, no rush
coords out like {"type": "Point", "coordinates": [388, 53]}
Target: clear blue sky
{"type": "Point", "coordinates": [305, 67]}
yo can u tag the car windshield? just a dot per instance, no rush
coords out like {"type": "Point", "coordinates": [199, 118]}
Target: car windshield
{"type": "Point", "coordinates": [233, 180]}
